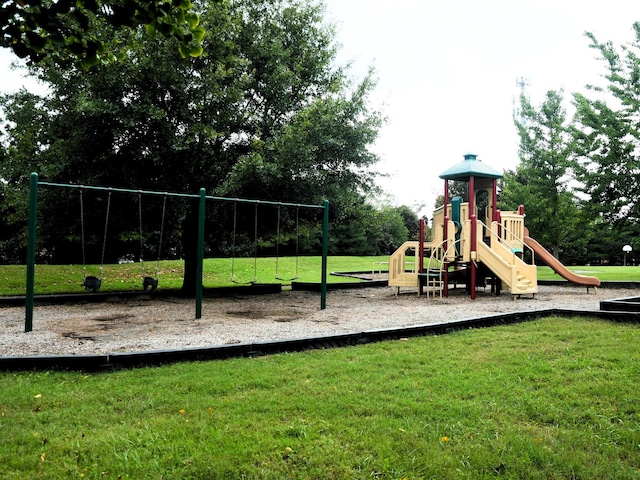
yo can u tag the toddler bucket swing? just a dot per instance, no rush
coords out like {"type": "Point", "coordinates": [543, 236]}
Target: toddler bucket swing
{"type": "Point", "coordinates": [90, 282]}
{"type": "Point", "coordinates": [149, 283]}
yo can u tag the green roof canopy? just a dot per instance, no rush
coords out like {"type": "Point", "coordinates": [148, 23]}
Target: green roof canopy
{"type": "Point", "coordinates": [469, 167]}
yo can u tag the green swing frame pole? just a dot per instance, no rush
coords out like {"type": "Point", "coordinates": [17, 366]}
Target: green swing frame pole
{"type": "Point", "coordinates": [31, 251]}
{"type": "Point", "coordinates": [325, 254]}
{"type": "Point", "coordinates": [200, 253]}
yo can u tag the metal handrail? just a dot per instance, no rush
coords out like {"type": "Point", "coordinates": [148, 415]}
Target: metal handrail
{"type": "Point", "coordinates": [445, 254]}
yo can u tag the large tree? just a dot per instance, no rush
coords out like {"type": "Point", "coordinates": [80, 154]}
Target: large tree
{"type": "Point", "coordinates": [607, 134]}
{"type": "Point", "coordinates": [541, 181]}
{"type": "Point", "coordinates": [264, 113]}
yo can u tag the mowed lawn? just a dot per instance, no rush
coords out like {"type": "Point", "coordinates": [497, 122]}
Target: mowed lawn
{"type": "Point", "coordinates": [219, 272]}
{"type": "Point", "coordinates": [604, 273]}
{"type": "Point", "coordinates": [553, 398]}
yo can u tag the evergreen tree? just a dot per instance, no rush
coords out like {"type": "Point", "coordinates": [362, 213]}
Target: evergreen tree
{"type": "Point", "coordinates": [607, 136]}
{"type": "Point", "coordinates": [541, 181]}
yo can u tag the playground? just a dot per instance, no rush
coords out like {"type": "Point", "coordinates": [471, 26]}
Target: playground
{"type": "Point", "coordinates": [165, 324]}
{"type": "Point", "coordinates": [474, 246]}
{"type": "Point", "coordinates": [545, 396]}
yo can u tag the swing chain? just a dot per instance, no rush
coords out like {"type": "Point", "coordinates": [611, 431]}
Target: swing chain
{"type": "Point", "coordinates": [164, 209]}
{"type": "Point", "coordinates": [297, 244]}
{"type": "Point", "coordinates": [140, 232]}
{"type": "Point", "coordinates": [149, 282]}
{"type": "Point", "coordinates": [233, 242]}
{"type": "Point", "coordinates": [84, 261]}
{"type": "Point", "coordinates": [255, 243]}
{"type": "Point", "coordinates": [92, 283]}
{"type": "Point", "coordinates": [297, 239]}
{"type": "Point", "coordinates": [106, 224]}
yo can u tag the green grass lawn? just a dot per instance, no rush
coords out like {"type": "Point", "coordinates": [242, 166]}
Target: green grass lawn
{"type": "Point", "coordinates": [217, 273]}
{"type": "Point", "coordinates": [604, 273]}
{"type": "Point", "coordinates": [554, 398]}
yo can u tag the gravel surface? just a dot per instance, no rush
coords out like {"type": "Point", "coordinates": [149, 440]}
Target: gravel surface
{"type": "Point", "coordinates": [142, 325]}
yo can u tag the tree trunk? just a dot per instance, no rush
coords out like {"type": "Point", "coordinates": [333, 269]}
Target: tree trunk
{"type": "Point", "coordinates": [190, 249]}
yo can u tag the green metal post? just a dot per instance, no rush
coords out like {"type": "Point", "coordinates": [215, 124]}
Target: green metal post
{"type": "Point", "coordinates": [200, 254]}
{"type": "Point", "coordinates": [325, 254]}
{"type": "Point", "coordinates": [31, 251]}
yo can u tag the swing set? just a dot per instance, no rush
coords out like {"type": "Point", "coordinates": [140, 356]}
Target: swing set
{"type": "Point", "coordinates": [93, 283]}
{"type": "Point", "coordinates": [255, 244]}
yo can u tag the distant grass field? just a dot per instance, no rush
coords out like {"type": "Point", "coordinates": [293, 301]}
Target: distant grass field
{"type": "Point", "coordinates": [548, 399]}
{"type": "Point", "coordinates": [604, 273]}
{"type": "Point", "coordinates": [217, 273]}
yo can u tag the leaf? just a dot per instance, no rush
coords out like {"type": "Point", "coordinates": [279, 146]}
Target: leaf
{"type": "Point", "coordinates": [193, 19]}
{"type": "Point", "coordinates": [198, 34]}
{"type": "Point", "coordinates": [150, 29]}
{"type": "Point", "coordinates": [91, 61]}
{"type": "Point", "coordinates": [184, 50]}
{"type": "Point", "coordinates": [196, 51]}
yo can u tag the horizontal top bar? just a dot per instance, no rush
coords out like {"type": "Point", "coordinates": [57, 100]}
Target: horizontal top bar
{"type": "Point", "coordinates": [183, 195]}
{"type": "Point", "coordinates": [264, 202]}
{"type": "Point", "coordinates": [114, 189]}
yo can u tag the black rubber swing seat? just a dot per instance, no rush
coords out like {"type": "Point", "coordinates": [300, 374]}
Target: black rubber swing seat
{"type": "Point", "coordinates": [149, 284]}
{"type": "Point", "coordinates": [92, 284]}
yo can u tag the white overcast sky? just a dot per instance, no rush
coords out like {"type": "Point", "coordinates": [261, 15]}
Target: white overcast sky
{"type": "Point", "coordinates": [447, 74]}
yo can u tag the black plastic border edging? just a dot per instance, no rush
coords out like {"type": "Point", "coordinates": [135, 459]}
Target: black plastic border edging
{"type": "Point", "coordinates": [628, 304]}
{"type": "Point", "coordinates": [110, 361]}
{"type": "Point", "coordinates": [315, 287]}
{"type": "Point", "coordinates": [99, 297]}
{"type": "Point", "coordinates": [249, 289]}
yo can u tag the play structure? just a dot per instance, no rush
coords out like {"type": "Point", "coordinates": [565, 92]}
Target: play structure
{"type": "Point", "coordinates": [474, 243]}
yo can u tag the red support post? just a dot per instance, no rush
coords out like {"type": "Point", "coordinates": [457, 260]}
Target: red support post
{"type": "Point", "coordinates": [445, 237]}
{"type": "Point", "coordinates": [494, 200]}
{"type": "Point", "coordinates": [474, 246]}
{"type": "Point", "coordinates": [474, 236]}
{"type": "Point", "coordinates": [446, 196]}
{"type": "Point", "coordinates": [445, 263]}
{"type": "Point", "coordinates": [421, 251]}
{"type": "Point", "coordinates": [472, 195]}
{"type": "Point", "coordinates": [498, 219]}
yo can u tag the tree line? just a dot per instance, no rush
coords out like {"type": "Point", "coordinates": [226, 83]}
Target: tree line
{"type": "Point", "coordinates": [263, 112]}
{"type": "Point", "coordinates": [579, 176]}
